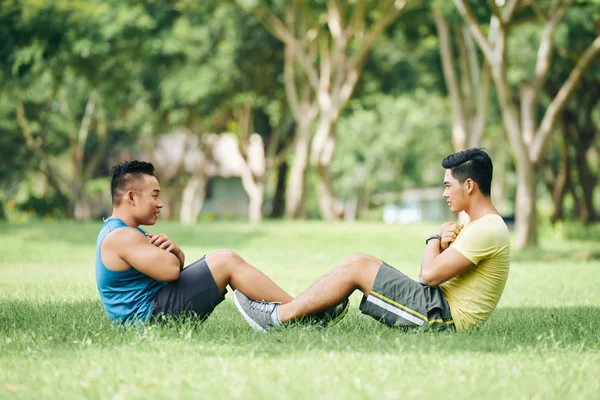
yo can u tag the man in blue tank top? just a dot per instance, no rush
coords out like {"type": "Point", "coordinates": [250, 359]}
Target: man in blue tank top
{"type": "Point", "coordinates": [142, 276]}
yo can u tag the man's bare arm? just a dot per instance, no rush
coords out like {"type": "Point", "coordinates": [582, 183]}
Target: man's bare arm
{"type": "Point", "coordinates": [440, 262]}
{"type": "Point", "coordinates": [162, 241]}
{"type": "Point", "coordinates": [437, 269]}
{"type": "Point", "coordinates": [135, 249]}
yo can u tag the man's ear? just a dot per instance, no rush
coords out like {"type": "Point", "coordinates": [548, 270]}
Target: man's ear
{"type": "Point", "coordinates": [470, 185]}
{"type": "Point", "coordinates": [130, 197]}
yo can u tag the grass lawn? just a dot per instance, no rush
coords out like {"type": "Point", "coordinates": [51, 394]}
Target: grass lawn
{"type": "Point", "coordinates": [543, 341]}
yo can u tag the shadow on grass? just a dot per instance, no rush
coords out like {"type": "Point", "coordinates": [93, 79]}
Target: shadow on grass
{"type": "Point", "coordinates": [50, 326]}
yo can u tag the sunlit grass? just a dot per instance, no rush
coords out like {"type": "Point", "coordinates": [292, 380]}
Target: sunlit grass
{"type": "Point", "coordinates": [56, 342]}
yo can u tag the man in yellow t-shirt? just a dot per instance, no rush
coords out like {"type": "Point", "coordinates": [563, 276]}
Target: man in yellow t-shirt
{"type": "Point", "coordinates": [463, 271]}
{"type": "Point", "coordinates": [473, 294]}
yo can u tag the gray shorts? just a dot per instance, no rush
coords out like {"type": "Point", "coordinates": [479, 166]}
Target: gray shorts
{"type": "Point", "coordinates": [195, 293]}
{"type": "Point", "coordinates": [397, 300]}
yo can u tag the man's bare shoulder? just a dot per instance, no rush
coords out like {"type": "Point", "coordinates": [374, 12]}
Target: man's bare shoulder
{"type": "Point", "coordinates": [117, 244]}
{"type": "Point", "coordinates": [122, 236]}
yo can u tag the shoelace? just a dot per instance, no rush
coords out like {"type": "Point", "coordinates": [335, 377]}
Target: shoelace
{"type": "Point", "coordinates": [261, 306]}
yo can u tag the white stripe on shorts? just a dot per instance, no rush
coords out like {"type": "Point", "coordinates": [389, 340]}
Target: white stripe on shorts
{"type": "Point", "coordinates": [395, 310]}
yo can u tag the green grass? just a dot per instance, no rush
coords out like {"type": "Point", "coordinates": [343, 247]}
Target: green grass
{"type": "Point", "coordinates": [56, 342]}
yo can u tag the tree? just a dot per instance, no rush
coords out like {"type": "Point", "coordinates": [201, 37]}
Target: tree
{"type": "Point", "coordinates": [212, 71]}
{"type": "Point", "coordinates": [387, 148]}
{"type": "Point", "coordinates": [528, 137]}
{"type": "Point", "coordinates": [329, 46]}
{"type": "Point", "coordinates": [569, 169]}
{"type": "Point", "coordinates": [70, 70]}
{"type": "Point", "coordinates": [78, 130]}
{"type": "Point", "coordinates": [17, 160]}
{"type": "Point", "coordinates": [469, 89]}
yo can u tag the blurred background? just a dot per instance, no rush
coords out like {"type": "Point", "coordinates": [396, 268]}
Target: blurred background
{"type": "Point", "coordinates": [323, 109]}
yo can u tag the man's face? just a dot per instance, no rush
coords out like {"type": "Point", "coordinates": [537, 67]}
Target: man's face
{"type": "Point", "coordinates": [455, 193]}
{"type": "Point", "coordinates": [147, 204]}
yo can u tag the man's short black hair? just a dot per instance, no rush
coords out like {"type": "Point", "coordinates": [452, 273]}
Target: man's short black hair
{"type": "Point", "coordinates": [125, 173]}
{"type": "Point", "coordinates": [472, 163]}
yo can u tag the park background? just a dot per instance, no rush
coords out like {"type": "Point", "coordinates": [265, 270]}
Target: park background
{"type": "Point", "coordinates": [289, 131]}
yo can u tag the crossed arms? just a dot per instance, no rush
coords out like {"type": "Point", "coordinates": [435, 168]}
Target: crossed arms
{"type": "Point", "coordinates": [160, 258]}
{"type": "Point", "coordinates": [154, 255]}
{"type": "Point", "coordinates": [441, 262]}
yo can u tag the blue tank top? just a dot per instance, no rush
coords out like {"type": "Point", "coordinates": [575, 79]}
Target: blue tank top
{"type": "Point", "coordinates": [126, 295]}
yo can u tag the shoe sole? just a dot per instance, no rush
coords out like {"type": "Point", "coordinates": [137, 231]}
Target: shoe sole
{"type": "Point", "coordinates": [249, 320]}
{"type": "Point", "coordinates": [339, 317]}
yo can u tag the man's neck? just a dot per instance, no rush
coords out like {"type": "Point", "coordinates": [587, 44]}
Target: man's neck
{"type": "Point", "coordinates": [480, 208]}
{"type": "Point", "coordinates": [125, 217]}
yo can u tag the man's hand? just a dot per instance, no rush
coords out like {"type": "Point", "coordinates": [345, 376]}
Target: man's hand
{"type": "Point", "coordinates": [448, 231]}
{"type": "Point", "coordinates": [164, 242]}
{"type": "Point", "coordinates": [127, 247]}
{"type": "Point", "coordinates": [441, 263]}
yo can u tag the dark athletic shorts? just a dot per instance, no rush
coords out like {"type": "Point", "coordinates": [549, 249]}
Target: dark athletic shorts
{"type": "Point", "coordinates": [397, 300]}
{"type": "Point", "coordinates": [195, 293]}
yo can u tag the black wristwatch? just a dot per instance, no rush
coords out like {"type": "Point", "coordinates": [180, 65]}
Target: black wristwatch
{"type": "Point", "coordinates": [434, 236]}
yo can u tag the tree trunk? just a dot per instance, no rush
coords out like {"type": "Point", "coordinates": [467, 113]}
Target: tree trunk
{"type": "Point", "coordinates": [253, 178]}
{"type": "Point", "coordinates": [499, 184]}
{"type": "Point", "coordinates": [329, 206]}
{"type": "Point", "coordinates": [528, 139]}
{"type": "Point", "coordinates": [459, 128]}
{"type": "Point", "coordinates": [562, 181]}
{"type": "Point", "coordinates": [351, 209]}
{"type": "Point", "coordinates": [255, 189]}
{"type": "Point", "coordinates": [168, 197]}
{"type": "Point", "coordinates": [278, 208]}
{"type": "Point", "coordinates": [526, 213]}
{"type": "Point", "coordinates": [79, 203]}
{"type": "Point", "coordinates": [255, 206]}
{"type": "Point", "coordinates": [256, 196]}
{"type": "Point", "coordinates": [588, 182]}
{"type": "Point", "coordinates": [296, 184]}
{"type": "Point", "coordinates": [582, 138]}
{"type": "Point", "coordinates": [192, 199]}
{"type": "Point", "coordinates": [82, 210]}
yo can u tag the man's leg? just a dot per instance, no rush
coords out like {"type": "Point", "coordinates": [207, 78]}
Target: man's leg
{"type": "Point", "coordinates": [228, 268]}
{"type": "Point", "coordinates": [357, 271]}
{"type": "Point", "coordinates": [326, 300]}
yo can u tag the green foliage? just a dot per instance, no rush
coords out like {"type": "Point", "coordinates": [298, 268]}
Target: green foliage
{"type": "Point", "coordinates": [578, 231]}
{"type": "Point", "coordinates": [16, 159]}
{"type": "Point", "coordinates": [151, 66]}
{"type": "Point", "coordinates": [156, 66]}
{"type": "Point", "coordinates": [389, 144]}
{"type": "Point", "coordinates": [405, 58]}
{"type": "Point", "coordinates": [47, 206]}
{"type": "Point", "coordinates": [212, 59]}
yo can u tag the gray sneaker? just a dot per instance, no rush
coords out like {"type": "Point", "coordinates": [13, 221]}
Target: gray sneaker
{"type": "Point", "coordinates": [331, 316]}
{"type": "Point", "coordinates": [256, 313]}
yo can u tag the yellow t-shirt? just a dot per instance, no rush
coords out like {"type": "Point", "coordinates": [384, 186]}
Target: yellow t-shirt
{"type": "Point", "coordinates": [474, 294]}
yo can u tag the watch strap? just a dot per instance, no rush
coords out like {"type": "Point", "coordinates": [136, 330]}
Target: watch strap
{"type": "Point", "coordinates": [433, 236]}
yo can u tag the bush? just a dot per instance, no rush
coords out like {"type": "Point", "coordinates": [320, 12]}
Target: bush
{"type": "Point", "coordinates": [48, 206]}
{"type": "Point", "coordinates": [579, 231]}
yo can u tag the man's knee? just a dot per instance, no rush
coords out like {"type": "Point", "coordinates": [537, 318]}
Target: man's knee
{"type": "Point", "coordinates": [361, 269]}
{"type": "Point", "coordinates": [223, 258]}
{"type": "Point", "coordinates": [359, 261]}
